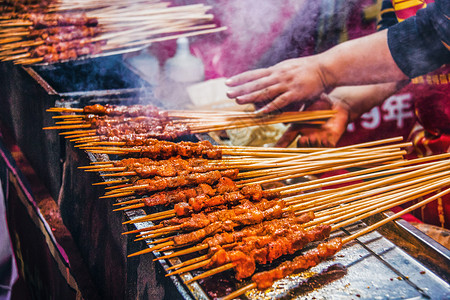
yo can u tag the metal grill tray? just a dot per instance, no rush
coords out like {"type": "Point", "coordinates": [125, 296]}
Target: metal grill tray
{"type": "Point", "coordinates": [396, 262]}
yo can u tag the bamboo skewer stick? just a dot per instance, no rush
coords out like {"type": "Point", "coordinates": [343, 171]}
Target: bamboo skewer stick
{"type": "Point", "coordinates": [365, 171]}
{"type": "Point", "coordinates": [390, 180]}
{"type": "Point", "coordinates": [323, 203]}
{"type": "Point", "coordinates": [366, 208]}
{"type": "Point", "coordinates": [396, 216]}
{"type": "Point", "coordinates": [307, 199]}
{"type": "Point", "coordinates": [211, 272]}
{"type": "Point", "coordinates": [272, 178]}
{"type": "Point", "coordinates": [183, 252]}
{"type": "Point", "coordinates": [188, 262]}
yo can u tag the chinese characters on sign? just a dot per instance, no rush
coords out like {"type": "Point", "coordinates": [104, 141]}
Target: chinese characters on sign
{"type": "Point", "coordinates": [396, 108]}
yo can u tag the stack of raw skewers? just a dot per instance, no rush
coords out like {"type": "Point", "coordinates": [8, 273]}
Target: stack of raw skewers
{"type": "Point", "coordinates": [221, 201]}
{"type": "Point", "coordinates": [64, 31]}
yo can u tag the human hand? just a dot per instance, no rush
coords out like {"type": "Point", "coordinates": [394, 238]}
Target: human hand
{"type": "Point", "coordinates": [325, 136]}
{"type": "Point", "coordinates": [292, 80]}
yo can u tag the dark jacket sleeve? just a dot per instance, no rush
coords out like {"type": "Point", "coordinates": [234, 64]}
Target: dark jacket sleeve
{"type": "Point", "coordinates": [387, 15]}
{"type": "Point", "coordinates": [420, 44]}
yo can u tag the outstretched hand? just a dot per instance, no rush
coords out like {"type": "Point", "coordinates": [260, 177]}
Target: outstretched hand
{"type": "Point", "coordinates": [292, 80]}
{"type": "Point", "coordinates": [327, 135]}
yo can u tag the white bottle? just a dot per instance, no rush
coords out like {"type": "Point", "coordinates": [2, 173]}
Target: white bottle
{"type": "Point", "coordinates": [180, 71]}
{"type": "Point", "coordinates": [147, 65]}
{"type": "Point", "coordinates": [184, 67]}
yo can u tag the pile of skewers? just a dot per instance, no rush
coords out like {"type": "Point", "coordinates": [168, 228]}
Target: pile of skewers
{"type": "Point", "coordinates": [220, 203]}
{"type": "Point", "coordinates": [136, 125]}
{"type": "Point", "coordinates": [241, 225]}
{"type": "Point", "coordinates": [67, 32]}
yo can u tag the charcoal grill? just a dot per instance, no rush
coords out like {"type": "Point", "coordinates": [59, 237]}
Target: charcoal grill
{"type": "Point", "coordinates": [396, 262]}
{"type": "Point", "coordinates": [28, 91]}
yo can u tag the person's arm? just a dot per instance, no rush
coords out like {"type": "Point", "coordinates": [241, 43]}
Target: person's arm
{"type": "Point", "coordinates": [349, 102]}
{"type": "Point", "coordinates": [361, 61]}
{"type": "Point", "coordinates": [361, 99]}
{"type": "Point", "coordinates": [413, 47]}
{"type": "Point", "coordinates": [420, 44]}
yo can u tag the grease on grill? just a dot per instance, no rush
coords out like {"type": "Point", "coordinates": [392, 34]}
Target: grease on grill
{"type": "Point", "coordinates": [309, 282]}
{"type": "Point", "coordinates": [218, 285]}
{"type": "Point", "coordinates": [330, 274]}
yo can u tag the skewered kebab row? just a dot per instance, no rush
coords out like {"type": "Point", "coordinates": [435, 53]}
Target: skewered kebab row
{"type": "Point", "coordinates": [131, 164]}
{"type": "Point", "coordinates": [246, 213]}
{"type": "Point", "coordinates": [166, 168]}
{"type": "Point", "coordinates": [124, 111]}
{"type": "Point", "coordinates": [165, 149]}
{"type": "Point", "coordinates": [169, 170]}
{"type": "Point", "coordinates": [102, 121]}
{"type": "Point", "coordinates": [302, 262]}
{"type": "Point", "coordinates": [143, 186]}
{"type": "Point", "coordinates": [161, 150]}
{"type": "Point", "coordinates": [157, 125]}
{"type": "Point", "coordinates": [64, 33]}
{"type": "Point", "coordinates": [66, 50]}
{"type": "Point", "coordinates": [264, 249]}
{"type": "Point", "coordinates": [194, 199]}
{"type": "Point", "coordinates": [44, 20]}
{"type": "Point", "coordinates": [199, 202]}
{"type": "Point", "coordinates": [222, 232]}
{"type": "Point", "coordinates": [135, 139]}
{"type": "Point", "coordinates": [149, 129]}
{"type": "Point", "coordinates": [183, 194]}
{"type": "Point", "coordinates": [168, 132]}
{"type": "Point", "coordinates": [135, 129]}
{"type": "Point", "coordinates": [56, 35]}
{"type": "Point", "coordinates": [145, 161]}
{"type": "Point", "coordinates": [263, 228]}
{"type": "Point", "coordinates": [99, 120]}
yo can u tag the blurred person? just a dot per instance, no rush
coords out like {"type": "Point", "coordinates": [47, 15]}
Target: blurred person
{"type": "Point", "coordinates": [405, 50]}
{"type": "Point", "coordinates": [8, 268]}
{"type": "Point", "coordinates": [366, 113]}
{"type": "Point", "coordinates": [388, 60]}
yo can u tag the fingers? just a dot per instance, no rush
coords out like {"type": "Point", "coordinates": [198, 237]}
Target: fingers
{"type": "Point", "coordinates": [308, 141]}
{"type": "Point", "coordinates": [288, 136]}
{"type": "Point", "coordinates": [320, 137]}
{"type": "Point", "coordinates": [263, 87]}
{"type": "Point", "coordinates": [278, 103]}
{"type": "Point", "coordinates": [247, 77]}
{"type": "Point", "coordinates": [265, 94]}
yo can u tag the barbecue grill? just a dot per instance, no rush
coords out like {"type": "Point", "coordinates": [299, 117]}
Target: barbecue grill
{"type": "Point", "coordinates": [397, 273]}
{"type": "Point", "coordinates": [397, 262]}
{"type": "Point", "coordinates": [101, 80]}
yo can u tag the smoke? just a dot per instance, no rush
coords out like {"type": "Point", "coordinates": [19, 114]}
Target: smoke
{"type": "Point", "coordinates": [260, 34]}
{"type": "Point", "coordinates": [316, 27]}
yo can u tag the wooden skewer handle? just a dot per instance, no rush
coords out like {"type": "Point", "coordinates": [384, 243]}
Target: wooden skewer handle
{"type": "Point", "coordinates": [395, 216]}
